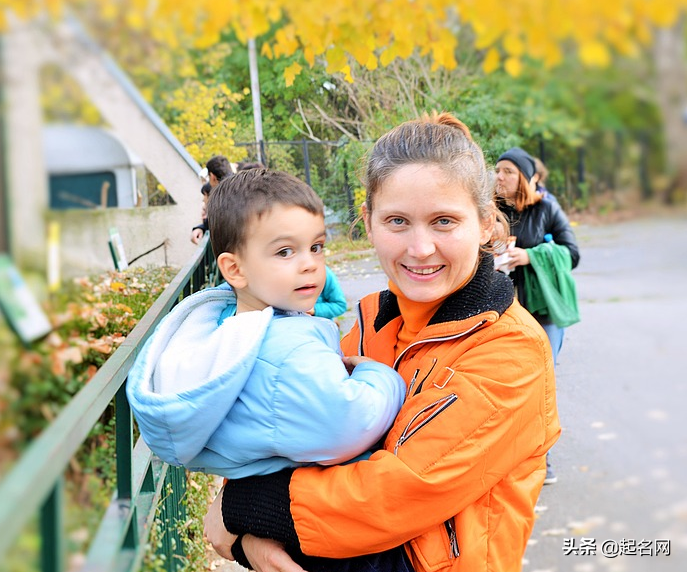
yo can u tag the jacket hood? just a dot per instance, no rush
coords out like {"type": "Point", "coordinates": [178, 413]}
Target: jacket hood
{"type": "Point", "coordinates": [191, 371]}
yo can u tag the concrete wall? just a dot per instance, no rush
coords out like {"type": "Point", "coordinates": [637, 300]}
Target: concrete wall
{"type": "Point", "coordinates": [25, 48]}
{"type": "Point", "coordinates": [84, 236]}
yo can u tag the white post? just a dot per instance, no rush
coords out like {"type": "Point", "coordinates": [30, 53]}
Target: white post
{"type": "Point", "coordinates": [255, 93]}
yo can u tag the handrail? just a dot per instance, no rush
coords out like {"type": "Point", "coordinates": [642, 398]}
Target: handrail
{"type": "Point", "coordinates": [31, 483]}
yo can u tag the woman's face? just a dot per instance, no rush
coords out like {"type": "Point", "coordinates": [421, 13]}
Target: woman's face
{"type": "Point", "coordinates": [426, 231]}
{"type": "Point", "coordinates": [507, 179]}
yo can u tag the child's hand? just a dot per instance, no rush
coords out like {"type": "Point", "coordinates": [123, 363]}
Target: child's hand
{"type": "Point", "coordinates": [351, 361]}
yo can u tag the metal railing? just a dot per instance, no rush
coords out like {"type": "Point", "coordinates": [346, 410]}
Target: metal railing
{"type": "Point", "coordinates": [35, 485]}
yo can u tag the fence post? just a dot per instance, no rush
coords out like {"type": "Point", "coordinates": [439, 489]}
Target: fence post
{"type": "Point", "coordinates": [306, 160]}
{"type": "Point", "coordinates": [52, 530]}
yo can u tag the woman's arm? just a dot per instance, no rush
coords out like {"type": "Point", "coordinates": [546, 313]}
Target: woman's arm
{"type": "Point", "coordinates": [260, 554]}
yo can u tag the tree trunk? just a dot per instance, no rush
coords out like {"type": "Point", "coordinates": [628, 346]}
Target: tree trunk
{"type": "Point", "coordinates": [671, 85]}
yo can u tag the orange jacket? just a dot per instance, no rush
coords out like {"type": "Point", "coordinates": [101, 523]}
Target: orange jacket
{"type": "Point", "coordinates": [464, 462]}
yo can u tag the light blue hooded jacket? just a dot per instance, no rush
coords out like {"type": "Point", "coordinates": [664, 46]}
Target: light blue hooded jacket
{"type": "Point", "coordinates": [252, 393]}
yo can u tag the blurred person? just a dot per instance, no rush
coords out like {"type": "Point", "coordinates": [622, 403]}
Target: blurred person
{"type": "Point", "coordinates": [199, 230]}
{"type": "Point", "coordinates": [531, 218]}
{"type": "Point", "coordinates": [541, 174]}
{"type": "Point", "coordinates": [217, 168]}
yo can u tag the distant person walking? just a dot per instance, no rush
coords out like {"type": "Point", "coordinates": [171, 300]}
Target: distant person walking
{"type": "Point", "coordinates": [532, 217]}
{"type": "Point", "coordinates": [218, 168]}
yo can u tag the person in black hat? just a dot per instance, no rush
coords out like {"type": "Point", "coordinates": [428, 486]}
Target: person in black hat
{"type": "Point", "coordinates": [533, 220]}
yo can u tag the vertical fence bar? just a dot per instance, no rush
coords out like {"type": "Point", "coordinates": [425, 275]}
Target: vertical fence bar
{"type": "Point", "coordinates": [124, 439]}
{"type": "Point", "coordinates": [52, 530]}
{"type": "Point", "coordinates": [306, 160]}
{"type": "Point", "coordinates": [173, 517]}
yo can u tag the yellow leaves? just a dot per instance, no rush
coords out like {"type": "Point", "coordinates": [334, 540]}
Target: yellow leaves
{"type": "Point", "coordinates": [595, 54]}
{"type": "Point", "coordinates": [336, 60]}
{"type": "Point", "coordinates": [491, 60]}
{"type": "Point", "coordinates": [285, 41]}
{"type": "Point", "coordinates": [513, 66]}
{"type": "Point", "coordinates": [375, 32]}
{"type": "Point", "coordinates": [291, 72]}
{"type": "Point", "coordinates": [202, 119]}
{"type": "Point", "coordinates": [513, 45]}
{"type": "Point", "coordinates": [266, 50]}
{"type": "Point", "coordinates": [347, 73]}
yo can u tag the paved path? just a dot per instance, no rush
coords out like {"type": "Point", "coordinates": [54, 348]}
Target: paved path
{"type": "Point", "coordinates": [622, 395]}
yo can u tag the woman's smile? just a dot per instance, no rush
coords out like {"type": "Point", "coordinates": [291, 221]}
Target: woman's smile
{"type": "Point", "coordinates": [423, 271]}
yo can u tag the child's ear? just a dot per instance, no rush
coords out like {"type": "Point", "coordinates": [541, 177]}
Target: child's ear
{"type": "Point", "coordinates": [230, 268]}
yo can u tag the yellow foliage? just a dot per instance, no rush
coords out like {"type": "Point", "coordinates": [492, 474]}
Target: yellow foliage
{"type": "Point", "coordinates": [376, 32]}
{"type": "Point", "coordinates": [491, 60]}
{"type": "Point", "coordinates": [595, 54]}
{"type": "Point", "coordinates": [513, 66]}
{"type": "Point", "coordinates": [291, 72]}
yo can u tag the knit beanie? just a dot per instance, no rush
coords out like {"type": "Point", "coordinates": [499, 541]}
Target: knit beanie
{"type": "Point", "coordinates": [522, 160]}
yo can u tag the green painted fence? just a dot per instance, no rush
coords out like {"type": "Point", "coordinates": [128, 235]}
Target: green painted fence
{"type": "Point", "coordinates": [35, 485]}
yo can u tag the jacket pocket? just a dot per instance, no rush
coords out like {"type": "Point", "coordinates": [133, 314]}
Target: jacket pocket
{"type": "Point", "coordinates": [437, 549]}
{"type": "Point", "coordinates": [423, 417]}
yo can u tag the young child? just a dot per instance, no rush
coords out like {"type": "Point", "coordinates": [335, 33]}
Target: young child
{"type": "Point", "coordinates": [238, 380]}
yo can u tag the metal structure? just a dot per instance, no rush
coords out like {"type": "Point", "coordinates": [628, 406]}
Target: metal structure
{"type": "Point", "coordinates": [36, 482]}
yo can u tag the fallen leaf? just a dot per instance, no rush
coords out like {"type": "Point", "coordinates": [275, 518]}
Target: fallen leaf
{"type": "Point", "coordinates": [101, 345]}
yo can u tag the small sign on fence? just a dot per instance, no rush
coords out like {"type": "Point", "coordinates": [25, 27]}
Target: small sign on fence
{"type": "Point", "coordinates": [117, 250]}
{"type": "Point", "coordinates": [19, 306]}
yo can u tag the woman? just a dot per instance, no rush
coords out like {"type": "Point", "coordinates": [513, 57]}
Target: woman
{"type": "Point", "coordinates": [455, 486]}
{"type": "Point", "coordinates": [531, 216]}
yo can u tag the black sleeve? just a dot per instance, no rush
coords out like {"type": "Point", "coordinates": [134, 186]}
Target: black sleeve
{"type": "Point", "coordinates": [202, 226]}
{"type": "Point", "coordinates": [562, 232]}
{"type": "Point", "coordinates": [239, 555]}
{"type": "Point", "coordinates": [261, 506]}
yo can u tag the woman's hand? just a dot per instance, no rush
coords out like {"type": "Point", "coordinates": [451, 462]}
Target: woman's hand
{"type": "Point", "coordinates": [215, 531]}
{"type": "Point", "coordinates": [351, 361]}
{"type": "Point", "coordinates": [268, 555]}
{"type": "Point", "coordinates": [518, 257]}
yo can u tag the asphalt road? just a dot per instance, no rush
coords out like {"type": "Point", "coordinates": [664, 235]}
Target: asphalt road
{"type": "Point", "coordinates": [621, 460]}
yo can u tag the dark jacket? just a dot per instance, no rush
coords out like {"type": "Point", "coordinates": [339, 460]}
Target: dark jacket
{"type": "Point", "coordinates": [529, 228]}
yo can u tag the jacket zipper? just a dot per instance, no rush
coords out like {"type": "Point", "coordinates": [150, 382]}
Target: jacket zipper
{"type": "Point", "coordinates": [397, 361]}
{"type": "Point", "coordinates": [412, 383]}
{"type": "Point", "coordinates": [362, 330]}
{"type": "Point", "coordinates": [452, 538]}
{"type": "Point", "coordinates": [439, 405]}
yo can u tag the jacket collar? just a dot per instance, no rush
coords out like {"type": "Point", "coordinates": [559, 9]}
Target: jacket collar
{"type": "Point", "coordinates": [488, 291]}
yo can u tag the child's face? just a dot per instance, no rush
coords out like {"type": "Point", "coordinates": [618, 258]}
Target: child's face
{"type": "Point", "coordinates": [282, 264]}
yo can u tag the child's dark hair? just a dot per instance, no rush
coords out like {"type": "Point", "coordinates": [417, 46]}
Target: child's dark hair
{"type": "Point", "coordinates": [247, 195]}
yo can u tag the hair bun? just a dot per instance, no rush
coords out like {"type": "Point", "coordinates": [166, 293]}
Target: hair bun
{"type": "Point", "coordinates": [446, 118]}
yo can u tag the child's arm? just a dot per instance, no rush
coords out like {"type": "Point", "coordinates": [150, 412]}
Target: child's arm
{"type": "Point", "coordinates": [324, 415]}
